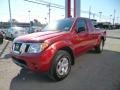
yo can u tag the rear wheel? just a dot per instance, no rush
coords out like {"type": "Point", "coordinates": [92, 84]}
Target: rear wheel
{"type": "Point", "coordinates": [99, 48]}
{"type": "Point", "coordinates": [61, 66]}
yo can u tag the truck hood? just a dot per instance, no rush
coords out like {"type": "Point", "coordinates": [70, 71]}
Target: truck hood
{"type": "Point", "coordinates": [39, 36]}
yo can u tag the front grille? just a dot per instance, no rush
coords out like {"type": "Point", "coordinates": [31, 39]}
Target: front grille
{"type": "Point", "coordinates": [20, 48]}
{"type": "Point", "coordinates": [27, 47]}
{"type": "Point", "coordinates": [17, 46]}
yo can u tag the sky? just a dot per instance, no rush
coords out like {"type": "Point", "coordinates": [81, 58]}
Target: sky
{"type": "Point", "coordinates": [20, 8]}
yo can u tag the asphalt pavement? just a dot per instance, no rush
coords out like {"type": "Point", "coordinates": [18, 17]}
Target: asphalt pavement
{"type": "Point", "coordinates": [91, 71]}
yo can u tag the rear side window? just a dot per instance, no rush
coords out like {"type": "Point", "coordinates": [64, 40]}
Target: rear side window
{"type": "Point", "coordinates": [81, 25]}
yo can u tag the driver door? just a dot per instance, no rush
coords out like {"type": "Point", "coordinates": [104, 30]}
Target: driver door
{"type": "Point", "coordinates": [82, 37]}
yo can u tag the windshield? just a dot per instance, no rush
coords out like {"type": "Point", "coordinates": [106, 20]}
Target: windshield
{"type": "Point", "coordinates": [60, 25]}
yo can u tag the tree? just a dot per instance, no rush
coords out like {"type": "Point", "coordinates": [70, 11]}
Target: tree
{"type": "Point", "coordinates": [13, 21]}
{"type": "Point", "coordinates": [36, 23]}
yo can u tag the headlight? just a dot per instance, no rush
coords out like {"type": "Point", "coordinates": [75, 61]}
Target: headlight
{"type": "Point", "coordinates": [37, 47]}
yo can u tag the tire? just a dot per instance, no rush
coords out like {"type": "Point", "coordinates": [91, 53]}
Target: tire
{"type": "Point", "coordinates": [61, 66]}
{"type": "Point", "coordinates": [99, 48]}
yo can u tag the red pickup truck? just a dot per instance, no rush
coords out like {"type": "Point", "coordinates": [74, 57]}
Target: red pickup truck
{"type": "Point", "coordinates": [55, 48]}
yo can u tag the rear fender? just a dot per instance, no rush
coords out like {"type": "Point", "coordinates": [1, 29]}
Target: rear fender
{"type": "Point", "coordinates": [99, 39]}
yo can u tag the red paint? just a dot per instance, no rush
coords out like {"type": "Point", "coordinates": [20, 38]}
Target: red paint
{"type": "Point", "coordinates": [77, 42]}
{"type": "Point", "coordinates": [69, 8]}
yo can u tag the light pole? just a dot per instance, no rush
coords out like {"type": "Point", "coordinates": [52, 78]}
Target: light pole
{"type": "Point", "coordinates": [29, 14]}
{"type": "Point", "coordinates": [10, 13]}
{"type": "Point", "coordinates": [100, 16]}
{"type": "Point", "coordinates": [89, 11]}
{"type": "Point", "coordinates": [29, 20]}
{"type": "Point", "coordinates": [110, 17]}
{"type": "Point", "coordinates": [114, 17]}
{"type": "Point", "coordinates": [49, 13]}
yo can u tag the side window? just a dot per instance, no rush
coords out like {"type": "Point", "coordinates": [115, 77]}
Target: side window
{"type": "Point", "coordinates": [81, 25]}
{"type": "Point", "coordinates": [91, 27]}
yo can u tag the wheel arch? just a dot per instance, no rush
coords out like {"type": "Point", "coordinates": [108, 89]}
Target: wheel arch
{"type": "Point", "coordinates": [69, 50]}
{"type": "Point", "coordinates": [66, 46]}
{"type": "Point", "coordinates": [103, 39]}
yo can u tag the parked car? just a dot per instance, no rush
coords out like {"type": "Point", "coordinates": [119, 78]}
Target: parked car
{"type": "Point", "coordinates": [55, 48]}
{"type": "Point", "coordinates": [3, 31]}
{"type": "Point", "coordinates": [14, 32]}
{"type": "Point", "coordinates": [34, 29]}
{"type": "Point", "coordinates": [1, 38]}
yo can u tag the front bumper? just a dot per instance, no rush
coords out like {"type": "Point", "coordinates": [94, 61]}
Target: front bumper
{"type": "Point", "coordinates": [40, 62]}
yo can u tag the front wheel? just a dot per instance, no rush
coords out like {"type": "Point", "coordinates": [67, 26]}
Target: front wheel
{"type": "Point", "coordinates": [61, 66]}
{"type": "Point", "coordinates": [99, 48]}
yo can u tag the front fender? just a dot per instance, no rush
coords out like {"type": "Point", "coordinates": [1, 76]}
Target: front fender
{"type": "Point", "coordinates": [50, 52]}
{"type": "Point", "coordinates": [61, 44]}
